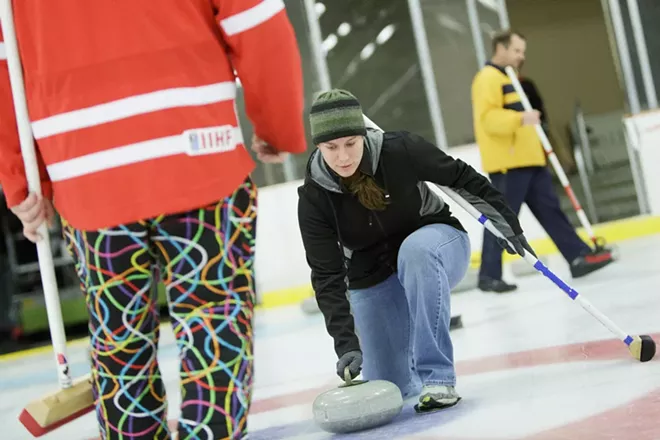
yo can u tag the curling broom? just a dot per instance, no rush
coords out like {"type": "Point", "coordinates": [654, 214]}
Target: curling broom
{"type": "Point", "coordinates": [74, 398]}
{"type": "Point", "coordinates": [552, 157]}
{"type": "Point", "coordinates": [640, 347]}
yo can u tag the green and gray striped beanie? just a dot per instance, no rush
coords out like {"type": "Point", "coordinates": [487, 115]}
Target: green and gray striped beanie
{"type": "Point", "coordinates": [335, 114]}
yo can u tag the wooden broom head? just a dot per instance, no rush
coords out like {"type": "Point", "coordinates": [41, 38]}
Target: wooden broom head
{"type": "Point", "coordinates": [43, 415]}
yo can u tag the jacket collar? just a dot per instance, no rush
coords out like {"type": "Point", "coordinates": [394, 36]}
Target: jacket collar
{"type": "Point", "coordinates": [320, 173]}
{"type": "Point", "coordinates": [497, 66]}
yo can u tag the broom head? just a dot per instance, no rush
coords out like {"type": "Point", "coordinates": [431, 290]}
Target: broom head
{"type": "Point", "coordinates": [52, 411]}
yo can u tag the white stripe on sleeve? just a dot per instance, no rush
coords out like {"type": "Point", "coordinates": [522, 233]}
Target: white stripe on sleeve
{"type": "Point", "coordinates": [133, 106]}
{"type": "Point", "coordinates": [252, 17]}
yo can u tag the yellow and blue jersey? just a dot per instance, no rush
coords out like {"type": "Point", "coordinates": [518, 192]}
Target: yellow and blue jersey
{"type": "Point", "coordinates": [504, 143]}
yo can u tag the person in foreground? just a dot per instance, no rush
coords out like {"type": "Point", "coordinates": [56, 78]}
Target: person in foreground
{"type": "Point", "coordinates": [145, 163]}
{"type": "Point", "coordinates": [385, 251]}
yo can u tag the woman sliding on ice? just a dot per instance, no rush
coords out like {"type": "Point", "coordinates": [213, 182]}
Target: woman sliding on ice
{"type": "Point", "coordinates": [368, 219]}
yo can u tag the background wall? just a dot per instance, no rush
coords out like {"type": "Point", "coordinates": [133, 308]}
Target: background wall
{"type": "Point", "coordinates": [568, 57]}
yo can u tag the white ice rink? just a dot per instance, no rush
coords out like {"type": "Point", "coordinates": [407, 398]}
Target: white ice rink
{"type": "Point", "coordinates": [531, 365]}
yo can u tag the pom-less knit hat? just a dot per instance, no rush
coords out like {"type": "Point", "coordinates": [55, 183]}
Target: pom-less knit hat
{"type": "Point", "coordinates": [335, 114]}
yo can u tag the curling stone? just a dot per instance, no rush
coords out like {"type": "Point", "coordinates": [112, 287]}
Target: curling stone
{"type": "Point", "coordinates": [310, 306]}
{"type": "Point", "coordinates": [455, 322]}
{"type": "Point", "coordinates": [357, 405]}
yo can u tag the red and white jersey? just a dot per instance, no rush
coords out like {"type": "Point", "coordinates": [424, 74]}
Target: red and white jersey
{"type": "Point", "coordinates": [132, 102]}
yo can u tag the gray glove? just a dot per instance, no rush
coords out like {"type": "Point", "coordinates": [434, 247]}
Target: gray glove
{"type": "Point", "coordinates": [519, 243]}
{"type": "Point", "coordinates": [352, 360]}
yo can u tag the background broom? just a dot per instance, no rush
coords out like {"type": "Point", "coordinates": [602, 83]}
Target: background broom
{"type": "Point", "coordinates": [73, 399]}
{"type": "Point", "coordinates": [598, 242]}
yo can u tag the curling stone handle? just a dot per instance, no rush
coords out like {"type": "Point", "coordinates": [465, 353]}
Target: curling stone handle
{"type": "Point", "coordinates": [347, 376]}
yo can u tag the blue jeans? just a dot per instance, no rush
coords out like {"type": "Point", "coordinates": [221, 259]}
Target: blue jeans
{"type": "Point", "coordinates": [403, 322]}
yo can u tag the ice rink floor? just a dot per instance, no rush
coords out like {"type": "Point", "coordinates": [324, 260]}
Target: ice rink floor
{"type": "Point", "coordinates": [531, 365]}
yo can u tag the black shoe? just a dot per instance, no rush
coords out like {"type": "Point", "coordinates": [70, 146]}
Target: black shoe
{"type": "Point", "coordinates": [455, 322]}
{"type": "Point", "coordinates": [590, 262]}
{"type": "Point", "coordinates": [497, 286]}
{"type": "Point", "coordinates": [435, 398]}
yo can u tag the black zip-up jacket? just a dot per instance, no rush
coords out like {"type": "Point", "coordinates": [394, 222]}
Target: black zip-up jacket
{"type": "Point", "coordinates": [344, 241]}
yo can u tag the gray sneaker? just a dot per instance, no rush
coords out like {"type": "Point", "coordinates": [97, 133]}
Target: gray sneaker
{"type": "Point", "coordinates": [437, 397]}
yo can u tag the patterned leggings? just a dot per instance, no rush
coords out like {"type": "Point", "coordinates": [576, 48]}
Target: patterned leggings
{"type": "Point", "coordinates": [205, 257]}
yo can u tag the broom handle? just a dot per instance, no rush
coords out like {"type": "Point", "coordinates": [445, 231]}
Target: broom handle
{"type": "Point", "coordinates": [46, 266]}
{"type": "Point", "coordinates": [535, 262]}
{"type": "Point", "coordinates": [552, 157]}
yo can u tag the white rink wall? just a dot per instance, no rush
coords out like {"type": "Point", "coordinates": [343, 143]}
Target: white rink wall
{"type": "Point", "coordinates": [643, 136]}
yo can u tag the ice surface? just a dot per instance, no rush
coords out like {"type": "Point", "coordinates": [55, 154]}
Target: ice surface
{"type": "Point", "coordinates": [531, 365]}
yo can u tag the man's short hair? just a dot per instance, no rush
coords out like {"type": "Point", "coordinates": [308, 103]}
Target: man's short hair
{"type": "Point", "coordinates": [504, 38]}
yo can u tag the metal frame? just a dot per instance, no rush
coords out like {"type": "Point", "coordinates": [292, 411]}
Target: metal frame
{"type": "Point", "coordinates": [426, 66]}
{"type": "Point", "coordinates": [642, 54]}
{"type": "Point", "coordinates": [503, 13]}
{"type": "Point", "coordinates": [584, 138]}
{"type": "Point", "coordinates": [473, 17]}
{"type": "Point", "coordinates": [633, 99]}
{"type": "Point", "coordinates": [316, 42]}
{"type": "Point", "coordinates": [475, 27]}
{"type": "Point", "coordinates": [632, 144]}
{"type": "Point", "coordinates": [289, 169]}
{"type": "Point", "coordinates": [584, 162]}
{"type": "Point", "coordinates": [624, 56]}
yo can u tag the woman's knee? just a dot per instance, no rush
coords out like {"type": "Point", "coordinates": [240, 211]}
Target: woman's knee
{"type": "Point", "coordinates": [433, 242]}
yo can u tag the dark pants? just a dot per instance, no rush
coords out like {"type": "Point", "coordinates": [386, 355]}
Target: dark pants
{"type": "Point", "coordinates": [533, 186]}
{"type": "Point", "coordinates": [205, 260]}
{"type": "Point", "coordinates": [7, 290]}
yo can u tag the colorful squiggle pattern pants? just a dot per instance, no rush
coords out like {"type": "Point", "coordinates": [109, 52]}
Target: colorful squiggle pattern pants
{"type": "Point", "coordinates": [205, 259]}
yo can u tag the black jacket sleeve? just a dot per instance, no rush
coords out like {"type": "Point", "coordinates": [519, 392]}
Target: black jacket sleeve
{"type": "Point", "coordinates": [431, 164]}
{"type": "Point", "coordinates": [325, 258]}
{"type": "Point", "coordinates": [534, 96]}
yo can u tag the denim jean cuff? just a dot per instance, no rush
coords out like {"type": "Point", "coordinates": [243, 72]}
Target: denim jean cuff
{"type": "Point", "coordinates": [449, 382]}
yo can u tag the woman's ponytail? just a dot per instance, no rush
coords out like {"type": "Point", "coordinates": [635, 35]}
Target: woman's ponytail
{"type": "Point", "coordinates": [369, 194]}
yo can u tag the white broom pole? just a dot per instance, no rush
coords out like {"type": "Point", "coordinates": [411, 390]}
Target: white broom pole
{"type": "Point", "coordinates": [46, 266]}
{"type": "Point", "coordinates": [552, 157]}
{"type": "Point", "coordinates": [533, 261]}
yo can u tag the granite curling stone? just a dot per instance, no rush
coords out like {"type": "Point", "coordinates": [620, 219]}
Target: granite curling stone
{"type": "Point", "coordinates": [357, 405]}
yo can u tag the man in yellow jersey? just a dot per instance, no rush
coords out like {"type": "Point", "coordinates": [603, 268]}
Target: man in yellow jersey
{"type": "Point", "coordinates": [513, 157]}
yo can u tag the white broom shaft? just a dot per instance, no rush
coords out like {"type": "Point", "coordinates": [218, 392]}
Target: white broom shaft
{"type": "Point", "coordinates": [539, 130]}
{"type": "Point", "coordinates": [551, 154]}
{"type": "Point", "coordinates": [534, 262]}
{"type": "Point", "coordinates": [46, 266]}
{"type": "Point", "coordinates": [528, 107]}
{"type": "Point", "coordinates": [474, 212]}
{"type": "Point", "coordinates": [586, 305]}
